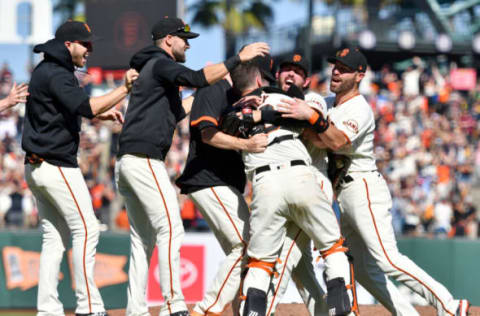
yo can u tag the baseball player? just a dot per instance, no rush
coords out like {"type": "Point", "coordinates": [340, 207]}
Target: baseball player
{"type": "Point", "coordinates": [296, 253]}
{"type": "Point", "coordinates": [214, 179]}
{"type": "Point", "coordinates": [364, 197]}
{"type": "Point", "coordinates": [285, 189]}
{"type": "Point", "coordinates": [16, 95]}
{"type": "Point", "coordinates": [154, 110]}
{"type": "Point", "coordinates": [50, 139]}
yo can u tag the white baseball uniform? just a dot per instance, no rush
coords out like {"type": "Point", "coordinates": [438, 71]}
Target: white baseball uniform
{"type": "Point", "coordinates": [365, 204]}
{"type": "Point", "coordinates": [65, 206]}
{"type": "Point", "coordinates": [154, 218]}
{"type": "Point", "coordinates": [285, 188]}
{"type": "Point", "coordinates": [296, 255]}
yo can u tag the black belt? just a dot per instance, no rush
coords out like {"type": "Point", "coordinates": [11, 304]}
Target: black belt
{"type": "Point", "coordinates": [291, 163]}
{"type": "Point", "coordinates": [347, 179]}
{"type": "Point", "coordinates": [282, 138]}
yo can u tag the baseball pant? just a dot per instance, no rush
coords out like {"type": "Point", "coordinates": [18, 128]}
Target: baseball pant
{"type": "Point", "coordinates": [295, 262]}
{"type": "Point", "coordinates": [293, 194]}
{"type": "Point", "coordinates": [65, 207]}
{"type": "Point", "coordinates": [154, 218]}
{"type": "Point", "coordinates": [365, 205]}
{"type": "Point", "coordinates": [226, 212]}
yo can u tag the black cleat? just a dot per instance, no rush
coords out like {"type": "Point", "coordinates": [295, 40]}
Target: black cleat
{"type": "Point", "coordinates": [182, 313]}
{"type": "Point", "coordinates": [338, 300]}
{"type": "Point", "coordinates": [93, 314]}
{"type": "Point", "coordinates": [256, 303]}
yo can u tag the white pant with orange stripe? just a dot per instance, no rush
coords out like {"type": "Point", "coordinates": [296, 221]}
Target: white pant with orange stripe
{"type": "Point", "coordinates": [65, 207]}
{"type": "Point", "coordinates": [366, 221]}
{"type": "Point", "coordinates": [226, 212]}
{"type": "Point", "coordinates": [291, 194]}
{"type": "Point", "coordinates": [296, 263]}
{"type": "Point", "coordinates": [154, 218]}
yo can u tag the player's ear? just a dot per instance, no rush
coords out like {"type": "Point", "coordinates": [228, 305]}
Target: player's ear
{"type": "Point", "coordinates": [359, 76]}
{"type": "Point", "coordinates": [308, 80]}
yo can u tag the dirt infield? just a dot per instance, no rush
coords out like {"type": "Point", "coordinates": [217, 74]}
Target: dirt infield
{"type": "Point", "coordinates": [300, 310]}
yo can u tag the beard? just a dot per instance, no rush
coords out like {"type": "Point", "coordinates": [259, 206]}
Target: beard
{"type": "Point", "coordinates": [179, 55]}
{"type": "Point", "coordinates": [343, 87]}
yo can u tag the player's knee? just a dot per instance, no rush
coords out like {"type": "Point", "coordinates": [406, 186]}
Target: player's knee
{"type": "Point", "coordinates": [338, 300]}
{"type": "Point", "coordinates": [256, 303]}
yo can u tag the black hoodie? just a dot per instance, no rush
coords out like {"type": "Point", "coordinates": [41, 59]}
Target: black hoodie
{"type": "Point", "coordinates": [155, 105]}
{"type": "Point", "coordinates": [54, 107]}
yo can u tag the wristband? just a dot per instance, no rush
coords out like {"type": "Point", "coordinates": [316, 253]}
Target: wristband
{"type": "Point", "coordinates": [232, 62]}
{"type": "Point", "coordinates": [318, 123]}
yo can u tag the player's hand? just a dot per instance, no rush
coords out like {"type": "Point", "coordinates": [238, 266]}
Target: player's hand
{"type": "Point", "coordinates": [253, 50]}
{"type": "Point", "coordinates": [111, 115]}
{"type": "Point", "coordinates": [130, 76]}
{"type": "Point", "coordinates": [18, 94]}
{"type": "Point", "coordinates": [252, 101]}
{"type": "Point", "coordinates": [257, 143]}
{"type": "Point", "coordinates": [296, 109]}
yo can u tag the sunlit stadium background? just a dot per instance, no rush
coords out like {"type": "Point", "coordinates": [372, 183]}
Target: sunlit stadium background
{"type": "Point", "coordinates": [423, 87]}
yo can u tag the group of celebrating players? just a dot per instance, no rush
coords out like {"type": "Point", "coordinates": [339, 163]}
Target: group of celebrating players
{"type": "Point", "coordinates": [299, 150]}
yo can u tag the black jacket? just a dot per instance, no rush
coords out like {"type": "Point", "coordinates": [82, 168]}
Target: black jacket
{"type": "Point", "coordinates": [155, 105]}
{"type": "Point", "coordinates": [54, 107]}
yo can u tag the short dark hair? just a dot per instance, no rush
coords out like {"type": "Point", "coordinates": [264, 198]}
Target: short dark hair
{"type": "Point", "coordinates": [243, 76]}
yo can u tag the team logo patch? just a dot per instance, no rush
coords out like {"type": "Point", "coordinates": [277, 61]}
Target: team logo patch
{"type": "Point", "coordinates": [344, 52]}
{"type": "Point", "coordinates": [297, 58]}
{"type": "Point", "coordinates": [351, 125]}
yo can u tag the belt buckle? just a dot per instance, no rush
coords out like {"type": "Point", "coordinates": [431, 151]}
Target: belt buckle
{"type": "Point", "coordinates": [283, 165]}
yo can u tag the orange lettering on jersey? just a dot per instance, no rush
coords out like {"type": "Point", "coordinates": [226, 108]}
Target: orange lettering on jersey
{"type": "Point", "coordinates": [297, 58]}
{"type": "Point", "coordinates": [351, 125]}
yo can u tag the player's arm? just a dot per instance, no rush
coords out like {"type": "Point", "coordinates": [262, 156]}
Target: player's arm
{"type": "Point", "coordinates": [187, 103]}
{"type": "Point", "coordinates": [18, 94]}
{"type": "Point", "coordinates": [216, 138]}
{"type": "Point", "coordinates": [172, 72]}
{"type": "Point", "coordinates": [313, 137]}
{"type": "Point", "coordinates": [103, 103]}
{"type": "Point", "coordinates": [331, 136]}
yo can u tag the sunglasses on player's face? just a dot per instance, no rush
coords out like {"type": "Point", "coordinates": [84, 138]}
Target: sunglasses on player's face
{"type": "Point", "coordinates": [87, 45]}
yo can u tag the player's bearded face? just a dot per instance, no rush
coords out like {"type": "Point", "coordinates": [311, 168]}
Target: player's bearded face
{"type": "Point", "coordinates": [180, 45]}
{"type": "Point", "coordinates": [343, 78]}
{"type": "Point", "coordinates": [291, 75]}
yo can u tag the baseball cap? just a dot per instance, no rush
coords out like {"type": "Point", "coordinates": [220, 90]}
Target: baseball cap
{"type": "Point", "coordinates": [265, 65]}
{"type": "Point", "coordinates": [352, 58]}
{"type": "Point", "coordinates": [296, 59]}
{"type": "Point", "coordinates": [173, 26]}
{"type": "Point", "coordinates": [75, 31]}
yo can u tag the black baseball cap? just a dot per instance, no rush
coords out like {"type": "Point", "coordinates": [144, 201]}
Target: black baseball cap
{"type": "Point", "coordinates": [265, 65]}
{"type": "Point", "coordinates": [75, 31]}
{"type": "Point", "coordinates": [296, 59]}
{"type": "Point", "coordinates": [350, 57]}
{"type": "Point", "coordinates": [173, 26]}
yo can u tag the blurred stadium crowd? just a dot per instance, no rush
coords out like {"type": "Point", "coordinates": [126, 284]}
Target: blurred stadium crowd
{"type": "Point", "coordinates": [426, 145]}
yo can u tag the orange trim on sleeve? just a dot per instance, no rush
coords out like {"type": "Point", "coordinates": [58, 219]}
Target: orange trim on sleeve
{"type": "Point", "coordinates": [312, 119]}
{"type": "Point", "coordinates": [204, 118]}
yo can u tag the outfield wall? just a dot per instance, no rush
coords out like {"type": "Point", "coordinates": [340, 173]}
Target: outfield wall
{"type": "Point", "coordinates": [452, 262]}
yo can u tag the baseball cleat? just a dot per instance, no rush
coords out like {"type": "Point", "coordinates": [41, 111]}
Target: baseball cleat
{"type": "Point", "coordinates": [182, 313]}
{"type": "Point", "coordinates": [338, 300]}
{"type": "Point", "coordinates": [463, 306]}
{"type": "Point", "coordinates": [93, 314]}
